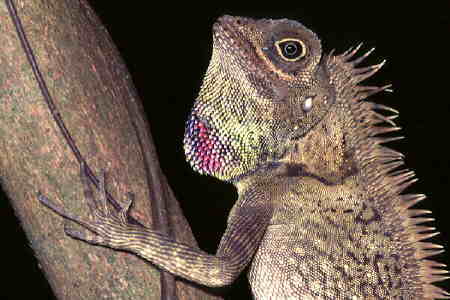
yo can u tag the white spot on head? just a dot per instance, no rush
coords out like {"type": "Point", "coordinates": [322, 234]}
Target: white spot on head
{"type": "Point", "coordinates": [307, 105]}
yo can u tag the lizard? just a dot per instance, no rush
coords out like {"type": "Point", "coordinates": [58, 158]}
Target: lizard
{"type": "Point", "coordinates": [321, 212]}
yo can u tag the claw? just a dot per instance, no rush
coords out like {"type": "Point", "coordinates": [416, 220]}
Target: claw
{"type": "Point", "coordinates": [47, 202]}
{"type": "Point", "coordinates": [103, 198]}
{"type": "Point", "coordinates": [123, 215]}
{"type": "Point", "coordinates": [85, 236]}
{"type": "Point", "coordinates": [87, 189]}
{"type": "Point", "coordinates": [75, 233]}
{"type": "Point", "coordinates": [60, 211]}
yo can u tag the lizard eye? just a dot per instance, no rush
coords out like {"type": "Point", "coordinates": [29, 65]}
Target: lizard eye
{"type": "Point", "coordinates": [291, 49]}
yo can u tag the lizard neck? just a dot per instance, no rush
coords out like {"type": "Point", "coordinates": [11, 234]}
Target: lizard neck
{"type": "Point", "coordinates": [322, 154]}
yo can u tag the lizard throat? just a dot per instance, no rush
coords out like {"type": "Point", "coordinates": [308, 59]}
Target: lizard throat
{"type": "Point", "coordinates": [206, 150]}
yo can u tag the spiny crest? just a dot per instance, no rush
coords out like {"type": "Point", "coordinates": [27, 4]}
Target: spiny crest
{"type": "Point", "coordinates": [380, 171]}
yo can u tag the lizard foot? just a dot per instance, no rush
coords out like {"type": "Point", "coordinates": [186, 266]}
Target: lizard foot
{"type": "Point", "coordinates": [104, 225]}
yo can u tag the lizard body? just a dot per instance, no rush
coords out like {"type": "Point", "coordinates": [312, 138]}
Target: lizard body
{"type": "Point", "coordinates": [320, 214]}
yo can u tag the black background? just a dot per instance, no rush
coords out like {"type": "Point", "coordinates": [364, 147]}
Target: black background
{"type": "Point", "coordinates": [167, 47]}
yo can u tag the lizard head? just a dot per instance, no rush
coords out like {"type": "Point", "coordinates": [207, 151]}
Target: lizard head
{"type": "Point", "coordinates": [265, 87]}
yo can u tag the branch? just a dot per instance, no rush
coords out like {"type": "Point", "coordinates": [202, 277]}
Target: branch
{"type": "Point", "coordinates": [97, 102]}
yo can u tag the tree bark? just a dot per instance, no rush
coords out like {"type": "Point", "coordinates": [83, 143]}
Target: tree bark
{"type": "Point", "coordinates": [97, 101]}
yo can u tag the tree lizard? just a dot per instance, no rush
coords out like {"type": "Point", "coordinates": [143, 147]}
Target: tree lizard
{"type": "Point", "coordinates": [320, 212]}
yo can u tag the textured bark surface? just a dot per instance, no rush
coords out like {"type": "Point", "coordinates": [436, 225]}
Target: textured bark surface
{"type": "Point", "coordinates": [96, 99]}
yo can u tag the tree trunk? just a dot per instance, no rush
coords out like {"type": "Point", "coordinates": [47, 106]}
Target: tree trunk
{"type": "Point", "coordinates": [96, 99]}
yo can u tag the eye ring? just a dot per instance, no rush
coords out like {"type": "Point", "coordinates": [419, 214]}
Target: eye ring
{"type": "Point", "coordinates": [291, 49]}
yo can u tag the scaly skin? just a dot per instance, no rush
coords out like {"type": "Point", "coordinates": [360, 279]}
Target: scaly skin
{"type": "Point", "coordinates": [320, 213]}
